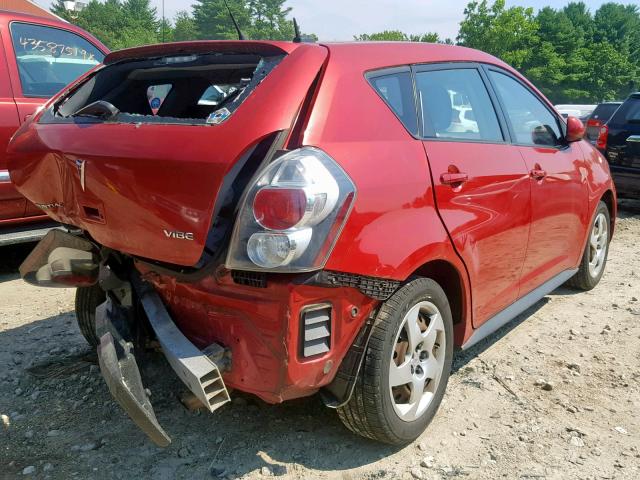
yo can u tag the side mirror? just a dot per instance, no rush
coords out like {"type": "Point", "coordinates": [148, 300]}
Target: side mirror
{"type": "Point", "coordinates": [575, 129]}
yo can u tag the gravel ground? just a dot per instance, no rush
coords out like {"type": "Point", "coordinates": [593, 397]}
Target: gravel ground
{"type": "Point", "coordinates": [554, 395]}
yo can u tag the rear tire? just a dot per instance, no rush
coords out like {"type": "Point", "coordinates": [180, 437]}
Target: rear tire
{"type": "Point", "coordinates": [412, 340]}
{"type": "Point", "coordinates": [594, 258]}
{"type": "Point", "coordinates": [87, 300]}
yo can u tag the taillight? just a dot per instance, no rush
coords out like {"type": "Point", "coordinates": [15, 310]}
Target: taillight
{"type": "Point", "coordinates": [603, 136]}
{"type": "Point", "coordinates": [593, 123]}
{"type": "Point", "coordinates": [292, 215]}
{"type": "Point", "coordinates": [279, 208]}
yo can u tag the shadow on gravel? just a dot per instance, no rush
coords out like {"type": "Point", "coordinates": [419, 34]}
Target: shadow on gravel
{"type": "Point", "coordinates": [10, 259]}
{"type": "Point", "coordinates": [462, 357]}
{"type": "Point", "coordinates": [50, 357]}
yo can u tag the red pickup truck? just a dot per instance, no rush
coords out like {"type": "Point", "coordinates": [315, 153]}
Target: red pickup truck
{"type": "Point", "coordinates": [38, 57]}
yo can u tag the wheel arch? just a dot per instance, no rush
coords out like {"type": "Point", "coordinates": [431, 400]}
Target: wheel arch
{"type": "Point", "coordinates": [454, 282]}
{"type": "Point", "coordinates": [608, 197]}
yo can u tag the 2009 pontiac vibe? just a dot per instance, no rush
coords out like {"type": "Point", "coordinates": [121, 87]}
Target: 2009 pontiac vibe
{"type": "Point", "coordinates": [287, 218]}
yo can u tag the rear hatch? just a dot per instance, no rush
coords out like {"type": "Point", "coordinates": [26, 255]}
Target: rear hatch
{"type": "Point", "coordinates": [149, 153]}
{"type": "Point", "coordinates": [623, 145]}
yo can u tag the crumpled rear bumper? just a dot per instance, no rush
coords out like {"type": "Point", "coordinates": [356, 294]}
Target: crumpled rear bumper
{"type": "Point", "coordinates": [123, 379]}
{"type": "Point", "coordinates": [119, 368]}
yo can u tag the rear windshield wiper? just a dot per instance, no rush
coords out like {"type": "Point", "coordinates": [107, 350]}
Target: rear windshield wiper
{"type": "Point", "coordinates": [100, 109]}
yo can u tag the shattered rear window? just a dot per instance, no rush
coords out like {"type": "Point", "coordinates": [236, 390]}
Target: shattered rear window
{"type": "Point", "coordinates": [194, 90]}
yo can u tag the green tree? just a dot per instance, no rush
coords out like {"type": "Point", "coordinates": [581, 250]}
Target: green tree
{"type": "Point", "coordinates": [557, 65]}
{"type": "Point", "coordinates": [572, 55]}
{"type": "Point", "coordinates": [399, 36]}
{"type": "Point", "coordinates": [508, 33]}
{"type": "Point", "coordinates": [117, 24]}
{"type": "Point", "coordinates": [612, 79]}
{"type": "Point", "coordinates": [581, 19]}
{"type": "Point", "coordinates": [269, 20]}
{"type": "Point", "coordinates": [212, 19]}
{"type": "Point", "coordinates": [184, 27]}
{"type": "Point", "coordinates": [616, 23]}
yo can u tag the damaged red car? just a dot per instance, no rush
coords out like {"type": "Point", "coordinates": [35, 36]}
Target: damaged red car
{"type": "Point", "coordinates": [286, 219]}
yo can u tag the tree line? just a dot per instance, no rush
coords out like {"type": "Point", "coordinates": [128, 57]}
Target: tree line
{"type": "Point", "coordinates": [572, 54]}
{"type": "Point", "coordinates": [128, 23]}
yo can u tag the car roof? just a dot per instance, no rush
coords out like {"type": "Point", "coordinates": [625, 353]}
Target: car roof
{"type": "Point", "coordinates": [372, 55]}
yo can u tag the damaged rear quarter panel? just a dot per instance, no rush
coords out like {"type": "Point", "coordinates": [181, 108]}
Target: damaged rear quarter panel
{"type": "Point", "coordinates": [261, 328]}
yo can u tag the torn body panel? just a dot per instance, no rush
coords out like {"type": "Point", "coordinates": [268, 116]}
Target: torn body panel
{"type": "Point", "coordinates": [262, 328]}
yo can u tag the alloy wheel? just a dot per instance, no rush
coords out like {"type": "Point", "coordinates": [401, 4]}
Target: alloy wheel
{"type": "Point", "coordinates": [417, 361]}
{"type": "Point", "coordinates": [598, 244]}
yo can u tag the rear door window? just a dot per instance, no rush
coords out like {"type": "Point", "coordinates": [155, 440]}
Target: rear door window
{"type": "Point", "coordinates": [603, 112]}
{"type": "Point", "coordinates": [50, 58]}
{"type": "Point", "coordinates": [396, 89]}
{"type": "Point", "coordinates": [629, 112]}
{"type": "Point", "coordinates": [456, 105]}
{"type": "Point", "coordinates": [532, 122]}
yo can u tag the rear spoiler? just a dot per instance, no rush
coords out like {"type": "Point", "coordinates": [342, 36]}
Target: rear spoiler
{"type": "Point", "coordinates": [200, 47]}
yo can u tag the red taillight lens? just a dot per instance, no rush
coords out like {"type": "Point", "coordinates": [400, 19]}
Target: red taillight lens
{"type": "Point", "coordinates": [603, 136]}
{"type": "Point", "coordinates": [279, 208]}
{"type": "Point", "coordinates": [74, 280]}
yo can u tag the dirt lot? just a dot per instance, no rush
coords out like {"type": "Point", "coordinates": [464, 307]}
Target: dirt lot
{"type": "Point", "coordinates": [555, 395]}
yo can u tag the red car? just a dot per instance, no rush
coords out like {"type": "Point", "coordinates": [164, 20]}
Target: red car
{"type": "Point", "coordinates": [38, 57]}
{"type": "Point", "coordinates": [289, 218]}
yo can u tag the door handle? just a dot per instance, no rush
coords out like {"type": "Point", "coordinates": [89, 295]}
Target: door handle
{"type": "Point", "coordinates": [453, 178]}
{"type": "Point", "coordinates": [538, 173]}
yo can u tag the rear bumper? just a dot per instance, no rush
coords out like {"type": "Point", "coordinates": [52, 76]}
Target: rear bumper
{"type": "Point", "coordinates": [120, 369]}
{"type": "Point", "coordinates": [123, 379]}
{"type": "Point", "coordinates": [262, 327]}
{"type": "Point", "coordinates": [25, 233]}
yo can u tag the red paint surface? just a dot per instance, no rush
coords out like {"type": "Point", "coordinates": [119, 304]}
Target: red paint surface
{"type": "Point", "coordinates": [261, 327]}
{"type": "Point", "coordinates": [156, 177]}
{"type": "Point", "coordinates": [503, 230]}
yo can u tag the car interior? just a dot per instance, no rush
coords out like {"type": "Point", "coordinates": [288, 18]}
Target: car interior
{"type": "Point", "coordinates": [195, 87]}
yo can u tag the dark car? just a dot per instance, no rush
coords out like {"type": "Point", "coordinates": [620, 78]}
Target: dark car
{"type": "Point", "coordinates": [619, 140]}
{"type": "Point", "coordinates": [599, 117]}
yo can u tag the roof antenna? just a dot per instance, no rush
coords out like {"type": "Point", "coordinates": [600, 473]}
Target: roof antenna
{"type": "Point", "coordinates": [296, 29]}
{"type": "Point", "coordinates": [235, 24]}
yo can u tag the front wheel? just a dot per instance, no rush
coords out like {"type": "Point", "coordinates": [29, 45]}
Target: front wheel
{"type": "Point", "coordinates": [594, 258]}
{"type": "Point", "coordinates": [406, 366]}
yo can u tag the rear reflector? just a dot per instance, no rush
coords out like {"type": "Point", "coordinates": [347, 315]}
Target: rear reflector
{"type": "Point", "coordinates": [316, 328]}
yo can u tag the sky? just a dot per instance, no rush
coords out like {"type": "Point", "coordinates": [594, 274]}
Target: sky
{"type": "Point", "coordinates": [342, 19]}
